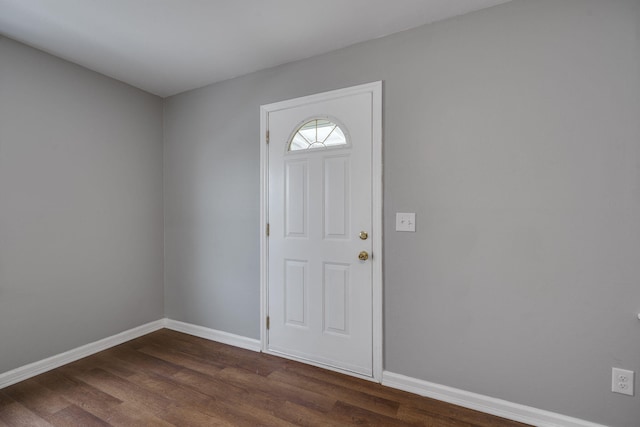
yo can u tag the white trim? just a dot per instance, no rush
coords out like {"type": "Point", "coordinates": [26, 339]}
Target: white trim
{"type": "Point", "coordinates": [375, 88]}
{"type": "Point", "coordinates": [486, 404]}
{"type": "Point", "coordinates": [478, 402]}
{"type": "Point", "coordinates": [31, 370]}
{"type": "Point", "coordinates": [377, 204]}
{"type": "Point", "coordinates": [264, 209]}
{"type": "Point", "coordinates": [213, 335]}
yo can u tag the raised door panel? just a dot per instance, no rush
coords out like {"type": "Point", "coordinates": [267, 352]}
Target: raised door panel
{"type": "Point", "coordinates": [336, 197]}
{"type": "Point", "coordinates": [295, 289]}
{"type": "Point", "coordinates": [336, 298]}
{"type": "Point", "coordinates": [296, 198]}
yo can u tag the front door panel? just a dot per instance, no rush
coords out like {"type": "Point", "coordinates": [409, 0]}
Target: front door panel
{"type": "Point", "coordinates": [319, 291]}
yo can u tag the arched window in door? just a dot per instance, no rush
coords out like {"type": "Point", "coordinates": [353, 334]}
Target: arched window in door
{"type": "Point", "coordinates": [317, 134]}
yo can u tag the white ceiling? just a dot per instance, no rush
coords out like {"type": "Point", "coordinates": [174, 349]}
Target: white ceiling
{"type": "Point", "coordinates": [169, 46]}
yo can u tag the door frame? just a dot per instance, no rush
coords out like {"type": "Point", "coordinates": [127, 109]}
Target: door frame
{"type": "Point", "coordinates": [375, 89]}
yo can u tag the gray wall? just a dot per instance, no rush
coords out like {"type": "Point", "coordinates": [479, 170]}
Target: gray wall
{"type": "Point", "coordinates": [81, 249]}
{"type": "Point", "coordinates": [513, 133]}
{"type": "Point", "coordinates": [514, 129]}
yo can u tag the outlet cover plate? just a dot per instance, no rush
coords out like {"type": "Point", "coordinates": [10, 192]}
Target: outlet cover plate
{"type": "Point", "coordinates": [405, 222]}
{"type": "Point", "coordinates": [622, 381]}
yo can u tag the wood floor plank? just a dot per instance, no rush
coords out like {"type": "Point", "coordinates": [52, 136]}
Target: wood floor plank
{"type": "Point", "coordinates": [127, 414]}
{"type": "Point", "coordinates": [242, 406]}
{"type": "Point", "coordinates": [358, 384]}
{"type": "Point", "coordinates": [159, 405]}
{"type": "Point", "coordinates": [302, 415]}
{"type": "Point", "coordinates": [125, 391]}
{"type": "Point", "coordinates": [167, 379]}
{"type": "Point", "coordinates": [15, 414]}
{"type": "Point", "coordinates": [356, 398]}
{"type": "Point", "coordinates": [5, 400]}
{"type": "Point", "coordinates": [225, 355]}
{"type": "Point", "coordinates": [104, 406]}
{"type": "Point", "coordinates": [37, 398]}
{"type": "Point", "coordinates": [187, 401]}
{"type": "Point", "coordinates": [182, 359]}
{"type": "Point", "coordinates": [136, 361]}
{"type": "Point", "coordinates": [302, 396]}
{"type": "Point", "coordinates": [170, 389]}
{"type": "Point", "coordinates": [73, 416]}
{"type": "Point", "coordinates": [431, 419]}
{"type": "Point", "coordinates": [346, 414]}
{"type": "Point", "coordinates": [76, 391]}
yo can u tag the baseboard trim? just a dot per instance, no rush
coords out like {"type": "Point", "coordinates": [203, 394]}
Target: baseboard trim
{"type": "Point", "coordinates": [214, 335]}
{"type": "Point", "coordinates": [31, 370]}
{"type": "Point", "coordinates": [486, 404]}
{"type": "Point", "coordinates": [478, 402]}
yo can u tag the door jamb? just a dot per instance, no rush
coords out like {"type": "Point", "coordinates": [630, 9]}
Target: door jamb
{"type": "Point", "coordinates": [375, 89]}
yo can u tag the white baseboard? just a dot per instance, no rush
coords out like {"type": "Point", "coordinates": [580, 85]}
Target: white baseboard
{"type": "Point", "coordinates": [214, 335]}
{"type": "Point", "coordinates": [31, 370]}
{"type": "Point", "coordinates": [478, 402]}
{"type": "Point", "coordinates": [486, 404]}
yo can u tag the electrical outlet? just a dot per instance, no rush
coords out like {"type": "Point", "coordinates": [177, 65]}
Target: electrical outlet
{"type": "Point", "coordinates": [622, 381]}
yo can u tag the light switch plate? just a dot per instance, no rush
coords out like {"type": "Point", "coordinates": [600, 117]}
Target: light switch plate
{"type": "Point", "coordinates": [405, 221]}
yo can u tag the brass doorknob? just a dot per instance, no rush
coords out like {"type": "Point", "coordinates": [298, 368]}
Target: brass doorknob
{"type": "Point", "coordinates": [363, 256]}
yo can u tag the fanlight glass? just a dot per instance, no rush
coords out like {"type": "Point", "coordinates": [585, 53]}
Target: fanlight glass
{"type": "Point", "coordinates": [317, 134]}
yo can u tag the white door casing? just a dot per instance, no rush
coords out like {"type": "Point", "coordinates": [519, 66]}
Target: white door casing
{"type": "Point", "coordinates": [323, 303]}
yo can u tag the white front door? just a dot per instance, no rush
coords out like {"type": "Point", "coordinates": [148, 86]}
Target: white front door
{"type": "Point", "coordinates": [320, 296]}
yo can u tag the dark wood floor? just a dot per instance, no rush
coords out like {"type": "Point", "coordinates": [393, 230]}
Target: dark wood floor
{"type": "Point", "coordinates": [171, 379]}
